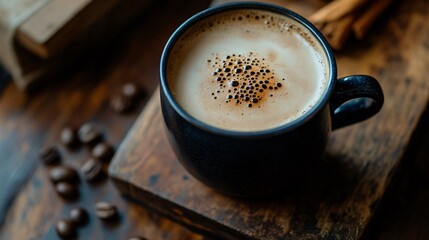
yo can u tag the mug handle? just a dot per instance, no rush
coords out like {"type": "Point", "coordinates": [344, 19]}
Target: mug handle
{"type": "Point", "coordinates": [356, 98]}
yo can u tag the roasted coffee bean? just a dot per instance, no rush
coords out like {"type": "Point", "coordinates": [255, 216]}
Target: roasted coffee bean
{"type": "Point", "coordinates": [63, 174]}
{"type": "Point", "coordinates": [137, 238]}
{"type": "Point", "coordinates": [66, 190]}
{"type": "Point", "coordinates": [105, 211]}
{"type": "Point", "coordinates": [102, 152]}
{"type": "Point", "coordinates": [65, 229]}
{"type": "Point", "coordinates": [50, 155]}
{"type": "Point", "coordinates": [89, 134]}
{"type": "Point", "coordinates": [121, 104]}
{"type": "Point", "coordinates": [130, 90]}
{"type": "Point", "coordinates": [92, 169]}
{"type": "Point", "coordinates": [69, 137]}
{"type": "Point", "coordinates": [78, 216]}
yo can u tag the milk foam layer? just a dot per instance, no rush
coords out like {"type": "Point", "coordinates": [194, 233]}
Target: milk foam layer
{"type": "Point", "coordinates": [247, 70]}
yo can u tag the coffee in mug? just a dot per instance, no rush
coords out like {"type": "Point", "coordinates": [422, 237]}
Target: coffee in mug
{"type": "Point", "coordinates": [247, 70]}
{"type": "Point", "coordinates": [249, 95]}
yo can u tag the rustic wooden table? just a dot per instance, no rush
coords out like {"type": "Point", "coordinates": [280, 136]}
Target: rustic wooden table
{"type": "Point", "coordinates": [29, 207]}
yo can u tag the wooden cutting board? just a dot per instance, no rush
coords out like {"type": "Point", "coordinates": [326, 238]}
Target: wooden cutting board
{"type": "Point", "coordinates": [360, 159]}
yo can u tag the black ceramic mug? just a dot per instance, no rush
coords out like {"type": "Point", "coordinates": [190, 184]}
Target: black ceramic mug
{"type": "Point", "coordinates": [254, 162]}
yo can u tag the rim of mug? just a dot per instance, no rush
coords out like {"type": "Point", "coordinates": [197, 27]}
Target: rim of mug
{"type": "Point", "coordinates": [324, 99]}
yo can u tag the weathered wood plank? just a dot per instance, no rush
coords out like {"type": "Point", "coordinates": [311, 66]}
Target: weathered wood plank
{"type": "Point", "coordinates": [41, 26]}
{"type": "Point", "coordinates": [32, 121]}
{"type": "Point", "coordinates": [359, 163]}
{"type": "Point", "coordinates": [61, 23]}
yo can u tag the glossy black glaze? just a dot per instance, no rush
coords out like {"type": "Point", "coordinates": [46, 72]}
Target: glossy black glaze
{"type": "Point", "coordinates": [264, 162]}
{"type": "Point", "coordinates": [246, 166]}
{"type": "Point", "coordinates": [363, 96]}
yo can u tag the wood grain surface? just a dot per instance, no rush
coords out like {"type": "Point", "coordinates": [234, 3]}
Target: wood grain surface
{"type": "Point", "coordinates": [29, 206]}
{"type": "Point", "coordinates": [404, 213]}
{"type": "Point", "coordinates": [359, 164]}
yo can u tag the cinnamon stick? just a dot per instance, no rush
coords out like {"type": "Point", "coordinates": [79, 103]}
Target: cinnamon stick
{"type": "Point", "coordinates": [363, 23]}
{"type": "Point", "coordinates": [338, 19]}
{"type": "Point", "coordinates": [338, 31]}
{"type": "Point", "coordinates": [337, 9]}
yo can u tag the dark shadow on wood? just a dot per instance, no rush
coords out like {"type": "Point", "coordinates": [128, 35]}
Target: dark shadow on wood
{"type": "Point", "coordinates": [403, 209]}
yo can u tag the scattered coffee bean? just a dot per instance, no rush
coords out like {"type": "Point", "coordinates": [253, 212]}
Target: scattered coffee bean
{"type": "Point", "coordinates": [130, 90]}
{"type": "Point", "coordinates": [92, 169]}
{"type": "Point", "coordinates": [105, 211]}
{"type": "Point", "coordinates": [137, 238]}
{"type": "Point", "coordinates": [121, 104]}
{"type": "Point", "coordinates": [89, 134]}
{"type": "Point", "coordinates": [102, 152]}
{"type": "Point", "coordinates": [63, 174]}
{"type": "Point", "coordinates": [65, 229]}
{"type": "Point", "coordinates": [66, 190]}
{"type": "Point", "coordinates": [78, 216]}
{"type": "Point", "coordinates": [50, 155]}
{"type": "Point", "coordinates": [69, 137]}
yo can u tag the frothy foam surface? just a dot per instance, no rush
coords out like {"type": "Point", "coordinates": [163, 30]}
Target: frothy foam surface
{"type": "Point", "coordinates": [247, 70]}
